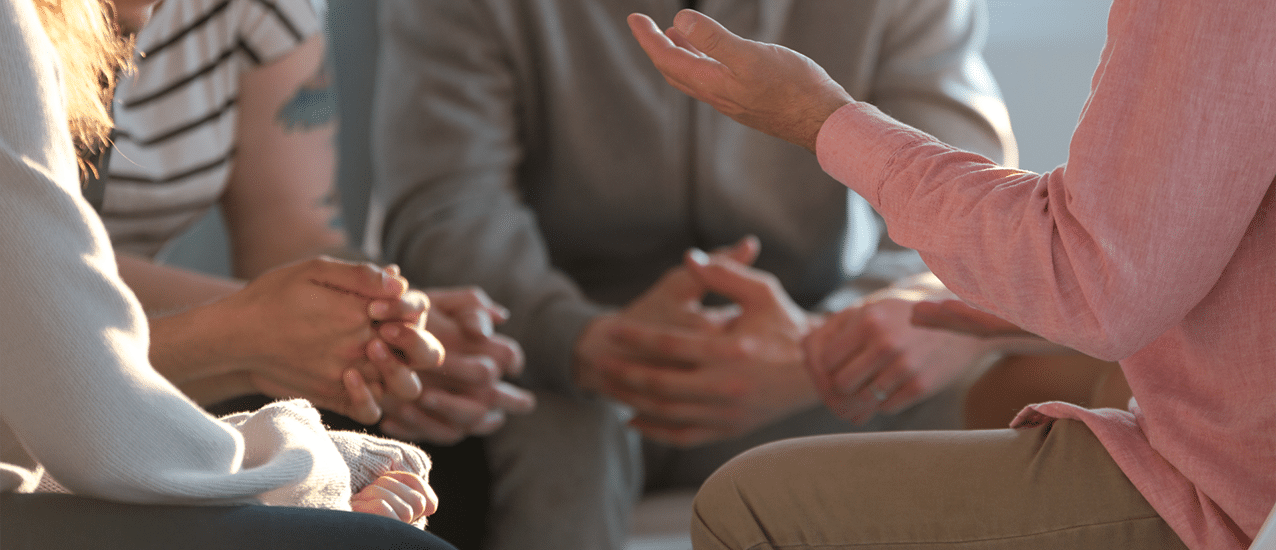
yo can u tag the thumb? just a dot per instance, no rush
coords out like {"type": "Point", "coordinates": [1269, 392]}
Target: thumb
{"type": "Point", "coordinates": [708, 36]}
{"type": "Point", "coordinates": [752, 289]}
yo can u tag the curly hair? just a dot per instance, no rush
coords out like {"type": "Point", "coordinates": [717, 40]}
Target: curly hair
{"type": "Point", "coordinates": [92, 52]}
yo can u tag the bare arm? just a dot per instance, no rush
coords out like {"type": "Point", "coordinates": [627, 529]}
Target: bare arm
{"type": "Point", "coordinates": [281, 202]}
{"type": "Point", "coordinates": [164, 288]}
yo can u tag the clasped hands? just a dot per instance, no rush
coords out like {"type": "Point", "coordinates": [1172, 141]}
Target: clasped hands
{"type": "Point", "coordinates": [695, 374]}
{"type": "Point", "coordinates": [355, 339]}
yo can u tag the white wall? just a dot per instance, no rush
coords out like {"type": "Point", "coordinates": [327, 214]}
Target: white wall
{"type": "Point", "coordinates": [1042, 53]}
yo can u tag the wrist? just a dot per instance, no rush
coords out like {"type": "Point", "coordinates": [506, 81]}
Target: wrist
{"type": "Point", "coordinates": [218, 388]}
{"type": "Point", "coordinates": [192, 346]}
{"type": "Point", "coordinates": [587, 348]}
{"type": "Point", "coordinates": [819, 114]}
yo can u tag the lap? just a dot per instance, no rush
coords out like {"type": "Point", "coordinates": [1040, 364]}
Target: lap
{"type": "Point", "coordinates": [55, 521]}
{"type": "Point", "coordinates": [1047, 487]}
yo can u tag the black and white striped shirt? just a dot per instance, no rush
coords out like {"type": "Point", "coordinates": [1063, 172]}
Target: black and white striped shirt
{"type": "Point", "coordinates": [175, 117]}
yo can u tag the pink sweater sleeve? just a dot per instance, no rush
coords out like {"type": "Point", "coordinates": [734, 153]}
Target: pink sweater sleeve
{"type": "Point", "coordinates": [1168, 163]}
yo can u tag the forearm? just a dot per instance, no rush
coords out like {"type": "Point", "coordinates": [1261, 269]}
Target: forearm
{"type": "Point", "coordinates": [163, 289]}
{"type": "Point", "coordinates": [183, 348]}
{"type": "Point", "coordinates": [188, 348]}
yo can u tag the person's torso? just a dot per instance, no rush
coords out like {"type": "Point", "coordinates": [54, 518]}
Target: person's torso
{"type": "Point", "coordinates": [176, 115]}
{"type": "Point", "coordinates": [625, 172]}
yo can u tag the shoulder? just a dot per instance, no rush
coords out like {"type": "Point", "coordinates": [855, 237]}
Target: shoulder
{"type": "Point", "coordinates": [31, 120]}
{"type": "Point", "coordinates": [260, 30]}
{"type": "Point", "coordinates": [25, 44]}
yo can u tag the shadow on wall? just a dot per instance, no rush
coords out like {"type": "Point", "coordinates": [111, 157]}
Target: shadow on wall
{"type": "Point", "coordinates": [1042, 53]}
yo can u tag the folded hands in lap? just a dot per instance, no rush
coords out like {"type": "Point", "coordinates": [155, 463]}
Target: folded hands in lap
{"type": "Point", "coordinates": [694, 373]}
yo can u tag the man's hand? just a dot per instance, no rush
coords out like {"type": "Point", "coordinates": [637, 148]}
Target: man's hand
{"type": "Point", "coordinates": [870, 358]}
{"type": "Point", "coordinates": [695, 374]}
{"type": "Point", "coordinates": [675, 300]}
{"type": "Point", "coordinates": [764, 86]}
{"type": "Point", "coordinates": [466, 394]}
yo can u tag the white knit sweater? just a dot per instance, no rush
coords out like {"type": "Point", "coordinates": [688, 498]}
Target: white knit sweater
{"type": "Point", "coordinates": [79, 400]}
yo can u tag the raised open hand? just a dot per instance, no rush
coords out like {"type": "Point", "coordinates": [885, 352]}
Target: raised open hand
{"type": "Point", "coordinates": [767, 87]}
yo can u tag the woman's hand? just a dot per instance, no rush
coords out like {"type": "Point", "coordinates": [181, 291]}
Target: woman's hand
{"type": "Point", "coordinates": [398, 495]}
{"type": "Point", "coordinates": [304, 330]}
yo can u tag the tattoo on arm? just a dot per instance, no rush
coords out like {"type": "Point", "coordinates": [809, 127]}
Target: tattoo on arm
{"type": "Point", "coordinates": [314, 104]}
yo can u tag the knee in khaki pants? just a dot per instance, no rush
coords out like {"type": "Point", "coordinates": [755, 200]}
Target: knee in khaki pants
{"type": "Point", "coordinates": [1046, 487]}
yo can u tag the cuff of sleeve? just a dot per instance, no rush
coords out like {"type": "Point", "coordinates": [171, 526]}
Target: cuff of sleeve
{"type": "Point", "coordinates": [857, 145]}
{"type": "Point", "coordinates": [551, 352]}
{"type": "Point", "coordinates": [369, 457]}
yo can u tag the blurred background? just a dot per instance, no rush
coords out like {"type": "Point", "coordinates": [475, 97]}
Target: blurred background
{"type": "Point", "coordinates": [1042, 53]}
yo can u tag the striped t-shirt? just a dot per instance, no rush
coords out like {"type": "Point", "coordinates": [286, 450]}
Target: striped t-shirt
{"type": "Point", "coordinates": [175, 118]}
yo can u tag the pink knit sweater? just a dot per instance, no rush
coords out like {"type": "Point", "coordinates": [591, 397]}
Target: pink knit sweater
{"type": "Point", "coordinates": [1155, 245]}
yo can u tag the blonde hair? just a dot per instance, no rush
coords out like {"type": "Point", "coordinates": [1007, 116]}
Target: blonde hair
{"type": "Point", "coordinates": [92, 50]}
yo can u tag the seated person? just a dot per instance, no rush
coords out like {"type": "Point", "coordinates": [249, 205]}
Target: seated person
{"type": "Point", "coordinates": [530, 147]}
{"type": "Point", "coordinates": [231, 105]}
{"type": "Point", "coordinates": [1153, 246]}
{"type": "Point", "coordinates": [81, 409]}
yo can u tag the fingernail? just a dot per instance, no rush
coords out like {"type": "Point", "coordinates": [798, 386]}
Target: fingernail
{"type": "Point", "coordinates": [698, 257]}
{"type": "Point", "coordinates": [390, 281]}
{"type": "Point", "coordinates": [378, 310]}
{"type": "Point", "coordinates": [378, 351]}
{"type": "Point", "coordinates": [684, 22]}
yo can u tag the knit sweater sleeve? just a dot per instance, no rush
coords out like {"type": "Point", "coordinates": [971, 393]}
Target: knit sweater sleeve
{"type": "Point", "coordinates": [78, 396]}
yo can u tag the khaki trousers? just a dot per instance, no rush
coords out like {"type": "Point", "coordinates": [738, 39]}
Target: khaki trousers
{"type": "Point", "coordinates": [1041, 488]}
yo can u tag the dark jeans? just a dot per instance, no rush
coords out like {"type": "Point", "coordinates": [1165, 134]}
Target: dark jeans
{"type": "Point", "coordinates": [63, 522]}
